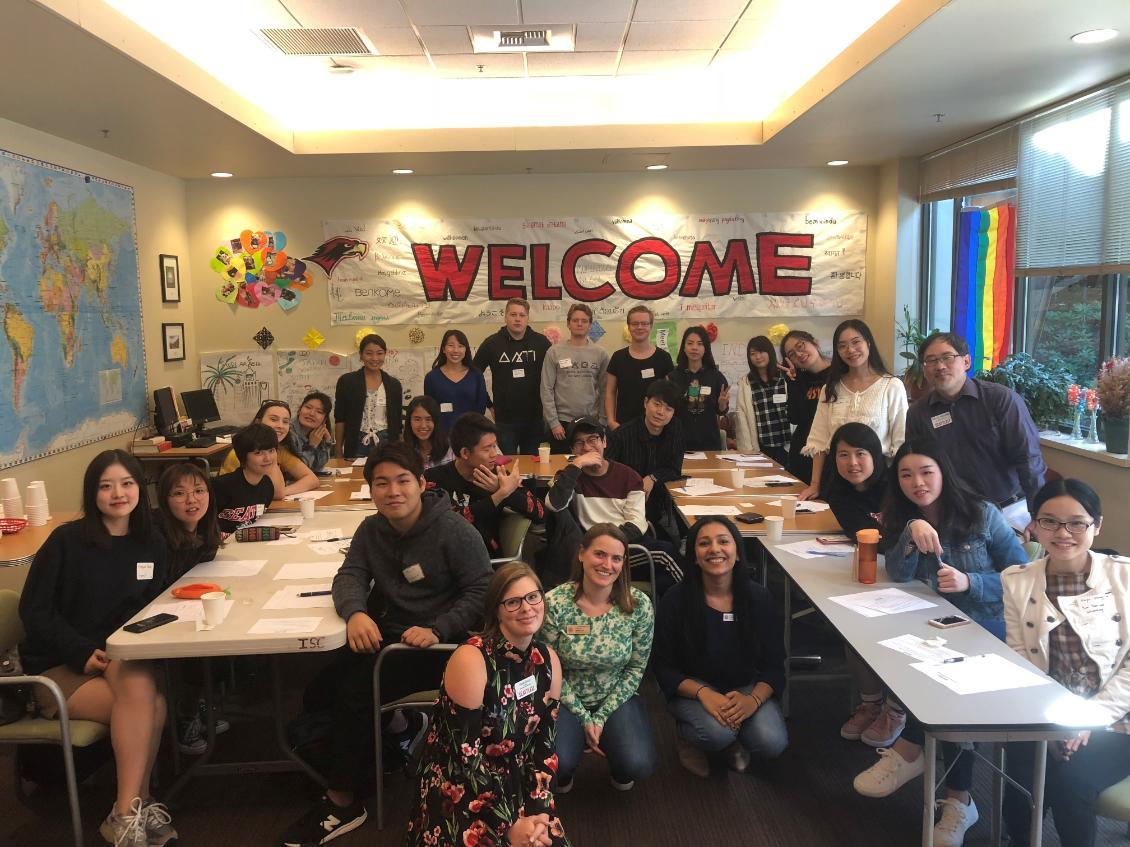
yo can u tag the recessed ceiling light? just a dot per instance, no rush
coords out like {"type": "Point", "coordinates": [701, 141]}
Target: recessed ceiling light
{"type": "Point", "coordinates": [403, 171]}
{"type": "Point", "coordinates": [837, 163]}
{"type": "Point", "coordinates": [1094, 36]}
{"type": "Point", "coordinates": [657, 167]}
{"type": "Point", "coordinates": [222, 175]}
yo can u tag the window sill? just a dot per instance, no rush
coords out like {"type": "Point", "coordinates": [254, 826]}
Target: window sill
{"type": "Point", "coordinates": [1096, 452]}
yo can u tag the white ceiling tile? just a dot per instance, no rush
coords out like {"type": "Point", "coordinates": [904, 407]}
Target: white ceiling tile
{"type": "Point", "coordinates": [468, 12]}
{"type": "Point", "coordinates": [677, 35]}
{"type": "Point", "coordinates": [466, 65]}
{"type": "Point", "coordinates": [391, 64]}
{"type": "Point", "coordinates": [572, 64]}
{"type": "Point", "coordinates": [746, 34]}
{"type": "Point", "coordinates": [681, 10]}
{"type": "Point", "coordinates": [395, 41]}
{"type": "Point", "coordinates": [358, 13]}
{"type": "Point", "coordinates": [575, 11]}
{"type": "Point", "coordinates": [440, 40]}
{"type": "Point", "coordinates": [599, 37]}
{"type": "Point", "coordinates": [663, 61]}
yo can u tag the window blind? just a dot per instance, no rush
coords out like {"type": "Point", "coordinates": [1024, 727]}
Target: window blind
{"type": "Point", "coordinates": [1073, 186]}
{"type": "Point", "coordinates": [984, 163]}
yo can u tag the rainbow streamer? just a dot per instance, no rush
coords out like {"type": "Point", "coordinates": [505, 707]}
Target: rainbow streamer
{"type": "Point", "coordinates": [983, 296]}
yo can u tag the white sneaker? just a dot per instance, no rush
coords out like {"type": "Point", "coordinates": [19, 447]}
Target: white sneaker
{"type": "Point", "coordinates": [956, 818]}
{"type": "Point", "coordinates": [126, 830]}
{"type": "Point", "coordinates": [888, 774]}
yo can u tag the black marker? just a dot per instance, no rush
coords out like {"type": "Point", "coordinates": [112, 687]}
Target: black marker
{"type": "Point", "coordinates": [944, 661]}
{"type": "Point", "coordinates": [313, 593]}
{"type": "Point", "coordinates": [339, 538]}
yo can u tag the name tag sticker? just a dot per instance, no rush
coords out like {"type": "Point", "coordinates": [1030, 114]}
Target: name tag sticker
{"type": "Point", "coordinates": [944, 419]}
{"type": "Point", "coordinates": [447, 407]}
{"type": "Point", "coordinates": [578, 629]}
{"type": "Point", "coordinates": [780, 398]}
{"type": "Point", "coordinates": [728, 617]}
{"type": "Point", "coordinates": [145, 570]}
{"type": "Point", "coordinates": [525, 687]}
{"type": "Point", "coordinates": [518, 373]}
{"type": "Point", "coordinates": [647, 373]}
{"type": "Point", "coordinates": [413, 573]}
{"type": "Point", "coordinates": [1088, 605]}
{"type": "Point", "coordinates": [705, 390]}
{"type": "Point", "coordinates": [565, 363]}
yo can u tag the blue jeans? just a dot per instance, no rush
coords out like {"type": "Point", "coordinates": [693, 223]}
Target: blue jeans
{"type": "Point", "coordinates": [520, 439]}
{"type": "Point", "coordinates": [763, 734]}
{"type": "Point", "coordinates": [627, 739]}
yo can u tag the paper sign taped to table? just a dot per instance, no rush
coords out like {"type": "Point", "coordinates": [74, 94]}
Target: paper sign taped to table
{"type": "Point", "coordinates": [701, 511]}
{"type": "Point", "coordinates": [361, 493]}
{"type": "Point", "coordinates": [308, 570]}
{"type": "Point", "coordinates": [702, 487]}
{"type": "Point", "coordinates": [694, 456]}
{"type": "Point", "coordinates": [227, 567]}
{"type": "Point", "coordinates": [186, 610]}
{"type": "Point", "coordinates": [761, 481]}
{"type": "Point", "coordinates": [919, 648]}
{"type": "Point", "coordinates": [287, 519]}
{"type": "Point", "coordinates": [882, 601]}
{"type": "Point", "coordinates": [287, 598]}
{"type": "Point", "coordinates": [284, 626]}
{"type": "Point", "coordinates": [308, 495]}
{"type": "Point", "coordinates": [978, 674]}
{"type": "Point", "coordinates": [334, 532]}
{"type": "Point", "coordinates": [329, 548]}
{"type": "Point", "coordinates": [360, 463]}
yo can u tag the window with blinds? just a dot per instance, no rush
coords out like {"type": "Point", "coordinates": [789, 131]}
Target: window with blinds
{"type": "Point", "coordinates": [1073, 182]}
{"type": "Point", "coordinates": [984, 163]}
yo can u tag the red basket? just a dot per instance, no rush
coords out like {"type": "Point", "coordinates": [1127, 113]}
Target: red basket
{"type": "Point", "coordinates": [10, 526]}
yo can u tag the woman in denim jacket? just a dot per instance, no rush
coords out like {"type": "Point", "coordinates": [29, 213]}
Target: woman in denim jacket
{"type": "Point", "coordinates": [940, 532]}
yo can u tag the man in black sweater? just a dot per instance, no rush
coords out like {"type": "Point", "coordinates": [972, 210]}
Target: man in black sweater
{"type": "Point", "coordinates": [514, 356]}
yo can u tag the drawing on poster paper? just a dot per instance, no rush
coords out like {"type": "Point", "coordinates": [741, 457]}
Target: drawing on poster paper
{"type": "Point", "coordinates": [410, 366]}
{"type": "Point", "coordinates": [300, 371]}
{"type": "Point", "coordinates": [240, 380]}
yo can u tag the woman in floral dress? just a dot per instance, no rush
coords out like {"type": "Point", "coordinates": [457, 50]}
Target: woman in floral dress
{"type": "Point", "coordinates": [489, 759]}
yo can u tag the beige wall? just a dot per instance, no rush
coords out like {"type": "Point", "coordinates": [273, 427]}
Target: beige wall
{"type": "Point", "coordinates": [1111, 483]}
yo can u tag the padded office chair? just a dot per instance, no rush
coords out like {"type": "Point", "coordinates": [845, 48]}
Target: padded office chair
{"type": "Point", "coordinates": [416, 700]}
{"type": "Point", "coordinates": [63, 731]}
{"type": "Point", "coordinates": [1114, 803]}
{"type": "Point", "coordinates": [512, 537]}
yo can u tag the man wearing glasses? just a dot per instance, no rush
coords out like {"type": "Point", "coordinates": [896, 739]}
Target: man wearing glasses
{"type": "Point", "coordinates": [984, 427]}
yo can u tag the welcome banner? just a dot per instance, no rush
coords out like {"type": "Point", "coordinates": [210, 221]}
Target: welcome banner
{"type": "Point", "coordinates": [697, 267]}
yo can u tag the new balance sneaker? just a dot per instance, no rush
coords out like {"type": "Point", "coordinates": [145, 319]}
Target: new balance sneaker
{"type": "Point", "coordinates": [862, 718]}
{"type": "Point", "coordinates": [324, 822]}
{"type": "Point", "coordinates": [956, 818]}
{"type": "Point", "coordinates": [126, 830]}
{"type": "Point", "coordinates": [190, 736]}
{"type": "Point", "coordinates": [158, 824]}
{"type": "Point", "coordinates": [886, 728]}
{"type": "Point", "coordinates": [414, 734]}
{"type": "Point", "coordinates": [888, 774]}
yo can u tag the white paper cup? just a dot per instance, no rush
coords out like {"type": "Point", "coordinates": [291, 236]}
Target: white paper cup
{"type": "Point", "coordinates": [36, 495]}
{"type": "Point", "coordinates": [737, 478]}
{"type": "Point", "coordinates": [543, 454]}
{"type": "Point", "coordinates": [9, 488]}
{"type": "Point", "coordinates": [788, 508]}
{"type": "Point", "coordinates": [306, 507]}
{"type": "Point", "coordinates": [215, 607]}
{"type": "Point", "coordinates": [774, 527]}
{"type": "Point", "coordinates": [14, 507]}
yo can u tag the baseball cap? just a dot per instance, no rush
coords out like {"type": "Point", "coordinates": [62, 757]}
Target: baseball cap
{"type": "Point", "coordinates": [585, 425]}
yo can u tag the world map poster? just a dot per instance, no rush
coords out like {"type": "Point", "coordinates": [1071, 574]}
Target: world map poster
{"type": "Point", "coordinates": [71, 353]}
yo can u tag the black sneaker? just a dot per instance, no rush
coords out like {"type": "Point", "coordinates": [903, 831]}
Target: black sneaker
{"type": "Point", "coordinates": [414, 734]}
{"type": "Point", "coordinates": [324, 822]}
{"type": "Point", "coordinates": [222, 724]}
{"type": "Point", "coordinates": [190, 737]}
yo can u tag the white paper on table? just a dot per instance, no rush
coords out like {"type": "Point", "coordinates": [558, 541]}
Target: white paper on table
{"type": "Point", "coordinates": [323, 534]}
{"type": "Point", "coordinates": [703, 488]}
{"type": "Point", "coordinates": [698, 454]}
{"type": "Point", "coordinates": [742, 457]}
{"type": "Point", "coordinates": [360, 463]}
{"type": "Point", "coordinates": [978, 674]}
{"type": "Point", "coordinates": [328, 548]}
{"type": "Point", "coordinates": [814, 549]}
{"type": "Point", "coordinates": [308, 495]}
{"type": "Point", "coordinates": [308, 570]}
{"type": "Point", "coordinates": [361, 493]}
{"type": "Point", "coordinates": [284, 626]}
{"type": "Point", "coordinates": [227, 567]}
{"type": "Point", "coordinates": [186, 610]}
{"type": "Point", "coordinates": [810, 506]}
{"type": "Point", "coordinates": [699, 511]}
{"type": "Point", "coordinates": [287, 598]}
{"type": "Point", "coordinates": [761, 481]}
{"type": "Point", "coordinates": [754, 465]}
{"type": "Point", "coordinates": [882, 601]}
{"type": "Point", "coordinates": [287, 519]}
{"type": "Point", "coordinates": [916, 647]}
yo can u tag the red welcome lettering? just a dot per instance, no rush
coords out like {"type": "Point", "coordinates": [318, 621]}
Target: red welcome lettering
{"type": "Point", "coordinates": [588, 247]}
{"type": "Point", "coordinates": [539, 273]}
{"type": "Point", "coordinates": [498, 272]}
{"type": "Point", "coordinates": [770, 261]}
{"type": "Point", "coordinates": [639, 289]}
{"type": "Point", "coordinates": [447, 272]}
{"type": "Point", "coordinates": [704, 260]}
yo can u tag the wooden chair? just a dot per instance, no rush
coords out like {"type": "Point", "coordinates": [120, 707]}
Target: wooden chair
{"type": "Point", "coordinates": [62, 731]}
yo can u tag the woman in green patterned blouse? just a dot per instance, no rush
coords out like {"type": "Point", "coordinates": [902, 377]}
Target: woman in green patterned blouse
{"type": "Point", "coordinates": [601, 628]}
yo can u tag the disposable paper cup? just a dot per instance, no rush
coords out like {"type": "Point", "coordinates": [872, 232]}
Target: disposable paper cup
{"type": "Point", "coordinates": [774, 527]}
{"type": "Point", "coordinates": [9, 488]}
{"type": "Point", "coordinates": [307, 508]}
{"type": "Point", "coordinates": [36, 495]}
{"type": "Point", "coordinates": [737, 478]}
{"type": "Point", "coordinates": [543, 454]}
{"type": "Point", "coordinates": [788, 508]}
{"type": "Point", "coordinates": [215, 607]}
{"type": "Point", "coordinates": [13, 507]}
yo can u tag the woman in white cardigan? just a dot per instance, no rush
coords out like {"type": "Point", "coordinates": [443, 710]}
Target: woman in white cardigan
{"type": "Point", "coordinates": [1069, 615]}
{"type": "Point", "coordinates": [761, 413]}
{"type": "Point", "coordinates": [859, 389]}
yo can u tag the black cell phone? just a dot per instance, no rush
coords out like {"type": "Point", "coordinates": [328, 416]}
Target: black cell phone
{"type": "Point", "coordinates": [146, 624]}
{"type": "Point", "coordinates": [779, 484]}
{"type": "Point", "coordinates": [750, 517]}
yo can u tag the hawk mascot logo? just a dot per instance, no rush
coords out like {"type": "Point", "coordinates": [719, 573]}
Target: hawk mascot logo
{"type": "Point", "coordinates": [329, 254]}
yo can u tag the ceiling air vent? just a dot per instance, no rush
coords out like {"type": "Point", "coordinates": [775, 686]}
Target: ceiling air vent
{"type": "Point", "coordinates": [313, 41]}
{"type": "Point", "coordinates": [559, 38]}
{"type": "Point", "coordinates": [524, 38]}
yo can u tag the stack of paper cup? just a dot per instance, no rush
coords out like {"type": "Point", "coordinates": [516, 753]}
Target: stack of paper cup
{"type": "Point", "coordinates": [10, 497]}
{"type": "Point", "coordinates": [37, 514]}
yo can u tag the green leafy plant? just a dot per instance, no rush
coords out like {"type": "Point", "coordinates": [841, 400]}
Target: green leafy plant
{"type": "Point", "coordinates": [1043, 387]}
{"type": "Point", "coordinates": [910, 335]}
{"type": "Point", "coordinates": [1114, 387]}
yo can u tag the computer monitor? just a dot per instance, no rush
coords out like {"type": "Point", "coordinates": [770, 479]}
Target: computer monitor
{"type": "Point", "coordinates": [164, 410]}
{"type": "Point", "coordinates": [200, 405]}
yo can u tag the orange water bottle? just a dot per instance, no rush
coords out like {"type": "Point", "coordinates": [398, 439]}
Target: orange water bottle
{"type": "Point", "coordinates": [868, 552]}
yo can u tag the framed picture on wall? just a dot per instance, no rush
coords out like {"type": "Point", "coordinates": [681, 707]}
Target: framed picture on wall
{"type": "Point", "coordinates": [172, 336]}
{"type": "Point", "coordinates": [170, 279]}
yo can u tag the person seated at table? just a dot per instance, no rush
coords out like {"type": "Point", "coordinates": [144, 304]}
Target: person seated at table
{"type": "Point", "coordinates": [454, 382]}
{"type": "Point", "coordinates": [601, 628]}
{"type": "Point", "coordinates": [243, 496]}
{"type": "Point", "coordinates": [90, 577]}
{"type": "Point", "coordinates": [416, 573]}
{"type": "Point", "coordinates": [290, 475]}
{"type": "Point", "coordinates": [719, 655]}
{"type": "Point", "coordinates": [940, 532]}
{"type": "Point", "coordinates": [480, 488]}
{"type": "Point", "coordinates": [1067, 614]}
{"type": "Point", "coordinates": [652, 445]}
{"type": "Point", "coordinates": [310, 438]}
{"type": "Point", "coordinates": [368, 403]}
{"type": "Point", "coordinates": [488, 761]}
{"type": "Point", "coordinates": [423, 435]}
{"type": "Point", "coordinates": [761, 413]}
{"type": "Point", "coordinates": [703, 390]}
{"type": "Point", "coordinates": [591, 489]}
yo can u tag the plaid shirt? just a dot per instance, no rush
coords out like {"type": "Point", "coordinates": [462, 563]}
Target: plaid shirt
{"type": "Point", "coordinates": [772, 418]}
{"type": "Point", "coordinates": [1069, 664]}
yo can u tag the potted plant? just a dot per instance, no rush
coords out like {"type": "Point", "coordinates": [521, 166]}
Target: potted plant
{"type": "Point", "coordinates": [910, 335]}
{"type": "Point", "coordinates": [1043, 387]}
{"type": "Point", "coordinates": [1113, 387]}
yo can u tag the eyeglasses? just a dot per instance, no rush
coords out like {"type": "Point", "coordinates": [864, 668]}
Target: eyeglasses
{"type": "Point", "coordinates": [181, 494]}
{"type": "Point", "coordinates": [853, 343]}
{"type": "Point", "coordinates": [794, 352]}
{"type": "Point", "coordinates": [513, 604]}
{"type": "Point", "coordinates": [944, 359]}
{"type": "Point", "coordinates": [591, 441]}
{"type": "Point", "coordinates": [1074, 527]}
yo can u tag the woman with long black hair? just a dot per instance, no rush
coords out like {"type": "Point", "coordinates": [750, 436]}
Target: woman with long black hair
{"type": "Point", "coordinates": [704, 389]}
{"type": "Point", "coordinates": [761, 413]}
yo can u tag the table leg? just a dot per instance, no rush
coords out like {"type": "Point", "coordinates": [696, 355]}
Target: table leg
{"type": "Point", "coordinates": [998, 793]}
{"type": "Point", "coordinates": [1039, 772]}
{"type": "Point", "coordinates": [171, 715]}
{"type": "Point", "coordinates": [786, 698]}
{"type": "Point", "coordinates": [930, 752]}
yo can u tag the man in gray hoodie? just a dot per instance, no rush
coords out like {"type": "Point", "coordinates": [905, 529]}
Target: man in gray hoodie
{"type": "Point", "coordinates": [429, 571]}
